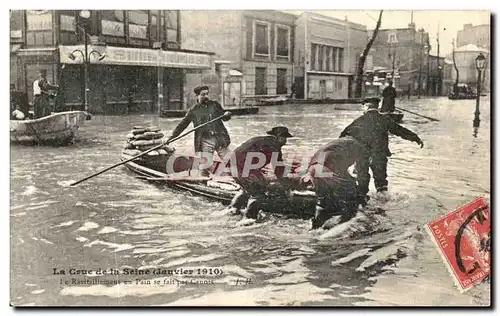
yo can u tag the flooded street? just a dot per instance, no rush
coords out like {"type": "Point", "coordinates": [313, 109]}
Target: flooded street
{"type": "Point", "coordinates": [120, 222]}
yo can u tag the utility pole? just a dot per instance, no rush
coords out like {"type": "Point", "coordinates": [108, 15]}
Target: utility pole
{"type": "Point", "coordinates": [438, 92]}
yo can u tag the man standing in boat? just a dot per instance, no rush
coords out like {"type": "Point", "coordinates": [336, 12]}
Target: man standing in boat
{"type": "Point", "coordinates": [251, 158]}
{"type": "Point", "coordinates": [389, 98]}
{"type": "Point", "coordinates": [42, 95]}
{"type": "Point", "coordinates": [211, 138]}
{"type": "Point", "coordinates": [372, 130]}
{"type": "Point", "coordinates": [336, 190]}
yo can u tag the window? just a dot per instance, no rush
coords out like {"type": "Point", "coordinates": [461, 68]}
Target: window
{"type": "Point", "coordinates": [260, 81]}
{"type": "Point", "coordinates": [112, 24]}
{"type": "Point", "coordinates": [67, 23]}
{"type": "Point", "coordinates": [16, 24]}
{"type": "Point", "coordinates": [313, 56]}
{"type": "Point", "coordinates": [392, 38]}
{"type": "Point", "coordinates": [281, 82]}
{"type": "Point", "coordinates": [154, 26]}
{"type": "Point", "coordinates": [327, 58]}
{"type": "Point", "coordinates": [138, 24]}
{"type": "Point", "coordinates": [261, 38]}
{"type": "Point", "coordinates": [39, 28]}
{"type": "Point", "coordinates": [282, 41]}
{"type": "Point", "coordinates": [340, 67]}
{"type": "Point", "coordinates": [171, 25]}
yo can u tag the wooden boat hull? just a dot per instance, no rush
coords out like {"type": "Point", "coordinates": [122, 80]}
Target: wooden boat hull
{"type": "Point", "coordinates": [58, 128]}
{"type": "Point", "coordinates": [300, 204]}
{"type": "Point", "coordinates": [396, 116]}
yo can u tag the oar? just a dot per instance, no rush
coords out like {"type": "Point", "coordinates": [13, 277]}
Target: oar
{"type": "Point", "coordinates": [427, 117]}
{"type": "Point", "coordinates": [151, 149]}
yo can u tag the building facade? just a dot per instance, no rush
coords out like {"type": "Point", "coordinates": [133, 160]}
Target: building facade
{"type": "Point", "coordinates": [478, 35]}
{"type": "Point", "coordinates": [465, 58]}
{"type": "Point", "coordinates": [406, 51]}
{"type": "Point", "coordinates": [126, 79]}
{"type": "Point", "coordinates": [327, 51]}
{"type": "Point", "coordinates": [255, 47]}
{"type": "Point", "coordinates": [436, 75]}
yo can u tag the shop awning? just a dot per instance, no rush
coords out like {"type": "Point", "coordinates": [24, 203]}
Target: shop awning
{"type": "Point", "coordinates": [235, 73]}
{"type": "Point", "coordinates": [138, 57]}
{"type": "Point", "coordinates": [14, 48]}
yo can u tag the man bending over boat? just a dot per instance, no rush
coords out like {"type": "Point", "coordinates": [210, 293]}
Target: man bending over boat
{"type": "Point", "coordinates": [335, 188]}
{"type": "Point", "coordinates": [212, 137]}
{"type": "Point", "coordinates": [251, 158]}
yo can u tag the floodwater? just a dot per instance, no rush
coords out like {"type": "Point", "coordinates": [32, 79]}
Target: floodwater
{"type": "Point", "coordinates": [115, 221]}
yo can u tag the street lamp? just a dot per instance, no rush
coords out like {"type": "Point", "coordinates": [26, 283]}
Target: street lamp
{"type": "Point", "coordinates": [159, 74]}
{"type": "Point", "coordinates": [85, 14]}
{"type": "Point", "coordinates": [480, 64]}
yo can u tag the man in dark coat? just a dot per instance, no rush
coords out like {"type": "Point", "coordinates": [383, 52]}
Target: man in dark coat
{"type": "Point", "coordinates": [212, 137]}
{"type": "Point", "coordinates": [42, 95]}
{"type": "Point", "coordinates": [251, 158]}
{"type": "Point", "coordinates": [372, 130]}
{"type": "Point", "coordinates": [389, 98]}
{"type": "Point", "coordinates": [335, 188]}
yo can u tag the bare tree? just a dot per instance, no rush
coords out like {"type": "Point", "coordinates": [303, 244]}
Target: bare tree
{"type": "Point", "coordinates": [455, 86]}
{"type": "Point", "coordinates": [362, 58]}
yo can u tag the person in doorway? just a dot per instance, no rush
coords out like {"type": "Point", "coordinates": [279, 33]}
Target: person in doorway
{"type": "Point", "coordinates": [389, 98]}
{"type": "Point", "coordinates": [211, 138]}
{"type": "Point", "coordinates": [250, 168]}
{"type": "Point", "coordinates": [372, 130]}
{"type": "Point", "coordinates": [294, 91]}
{"type": "Point", "coordinates": [336, 190]}
{"type": "Point", "coordinates": [42, 94]}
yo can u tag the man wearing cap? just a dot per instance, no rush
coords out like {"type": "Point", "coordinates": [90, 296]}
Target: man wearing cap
{"type": "Point", "coordinates": [212, 137]}
{"type": "Point", "coordinates": [335, 188]}
{"type": "Point", "coordinates": [41, 93]}
{"type": "Point", "coordinates": [372, 130]}
{"type": "Point", "coordinates": [251, 159]}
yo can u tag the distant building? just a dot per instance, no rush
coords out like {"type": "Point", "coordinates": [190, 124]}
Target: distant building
{"type": "Point", "coordinates": [465, 58]}
{"type": "Point", "coordinates": [126, 79]}
{"type": "Point", "coordinates": [256, 47]}
{"type": "Point", "coordinates": [406, 50]}
{"type": "Point", "coordinates": [326, 55]}
{"type": "Point", "coordinates": [478, 35]}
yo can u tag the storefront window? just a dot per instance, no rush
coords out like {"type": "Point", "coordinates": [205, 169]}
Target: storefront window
{"type": "Point", "coordinates": [113, 26]}
{"type": "Point", "coordinates": [39, 28]}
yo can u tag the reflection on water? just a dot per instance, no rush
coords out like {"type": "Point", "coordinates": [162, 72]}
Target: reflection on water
{"type": "Point", "coordinates": [381, 257]}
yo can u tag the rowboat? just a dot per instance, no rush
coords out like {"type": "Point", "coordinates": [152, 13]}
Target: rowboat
{"type": "Point", "coordinates": [57, 128]}
{"type": "Point", "coordinates": [166, 168]}
{"type": "Point", "coordinates": [396, 116]}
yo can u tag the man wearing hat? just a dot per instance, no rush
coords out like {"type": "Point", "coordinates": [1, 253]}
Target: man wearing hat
{"type": "Point", "coordinates": [335, 188]}
{"type": "Point", "coordinates": [251, 159]}
{"type": "Point", "coordinates": [41, 94]}
{"type": "Point", "coordinates": [212, 137]}
{"type": "Point", "coordinates": [372, 130]}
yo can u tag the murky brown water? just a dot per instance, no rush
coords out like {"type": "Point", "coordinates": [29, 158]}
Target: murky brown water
{"type": "Point", "coordinates": [117, 221]}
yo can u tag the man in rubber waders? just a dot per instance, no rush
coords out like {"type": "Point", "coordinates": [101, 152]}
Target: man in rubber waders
{"type": "Point", "coordinates": [211, 138]}
{"type": "Point", "coordinates": [372, 130]}
{"type": "Point", "coordinates": [251, 158]}
{"type": "Point", "coordinates": [336, 190]}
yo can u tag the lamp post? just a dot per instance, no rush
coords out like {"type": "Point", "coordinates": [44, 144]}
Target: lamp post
{"type": "Point", "coordinates": [85, 14]}
{"type": "Point", "coordinates": [480, 64]}
{"type": "Point", "coordinates": [428, 48]}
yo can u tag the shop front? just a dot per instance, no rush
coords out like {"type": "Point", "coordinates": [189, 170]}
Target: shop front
{"type": "Point", "coordinates": [126, 79]}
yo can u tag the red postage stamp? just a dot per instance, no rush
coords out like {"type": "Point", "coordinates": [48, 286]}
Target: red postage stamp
{"type": "Point", "coordinates": [463, 239]}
